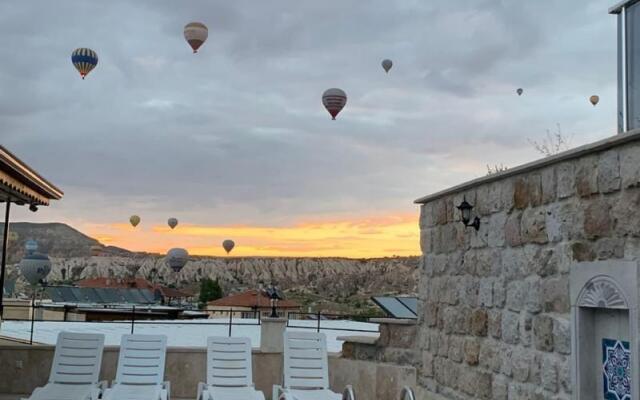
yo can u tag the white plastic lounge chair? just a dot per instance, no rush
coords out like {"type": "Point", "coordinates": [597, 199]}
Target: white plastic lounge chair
{"type": "Point", "coordinates": [140, 369]}
{"type": "Point", "coordinates": [75, 369]}
{"type": "Point", "coordinates": [229, 374]}
{"type": "Point", "coordinates": [306, 369]}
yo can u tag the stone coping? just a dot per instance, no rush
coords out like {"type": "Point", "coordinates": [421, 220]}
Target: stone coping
{"type": "Point", "coordinates": [604, 144]}
{"type": "Point", "coordinates": [394, 321]}
{"type": "Point", "coordinates": [359, 339]}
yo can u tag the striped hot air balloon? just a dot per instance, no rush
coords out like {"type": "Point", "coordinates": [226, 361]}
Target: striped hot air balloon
{"type": "Point", "coordinates": [334, 100]}
{"type": "Point", "coordinates": [196, 33]}
{"type": "Point", "coordinates": [84, 60]}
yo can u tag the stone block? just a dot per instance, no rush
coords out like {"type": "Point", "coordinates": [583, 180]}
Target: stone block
{"type": "Point", "coordinates": [525, 329]}
{"type": "Point", "coordinates": [475, 383]}
{"type": "Point", "coordinates": [426, 216]}
{"type": "Point", "coordinates": [582, 251]}
{"type": "Point", "coordinates": [586, 170]}
{"type": "Point", "coordinates": [516, 295]}
{"type": "Point", "coordinates": [543, 332]}
{"type": "Point", "coordinates": [548, 181]}
{"type": "Point", "coordinates": [535, 189]}
{"type": "Point", "coordinates": [597, 219]}
{"type": "Point", "coordinates": [485, 292]}
{"type": "Point", "coordinates": [533, 226]}
{"type": "Point", "coordinates": [549, 373]}
{"type": "Point", "coordinates": [625, 212]}
{"type": "Point", "coordinates": [499, 292]}
{"type": "Point", "coordinates": [500, 387]}
{"type": "Point", "coordinates": [440, 212]}
{"type": "Point", "coordinates": [521, 193]}
{"type": "Point", "coordinates": [490, 357]}
{"type": "Point", "coordinates": [608, 248]}
{"type": "Point", "coordinates": [506, 194]}
{"type": "Point", "coordinates": [468, 287]}
{"type": "Point", "coordinates": [496, 231]}
{"type": "Point", "coordinates": [510, 327]}
{"type": "Point", "coordinates": [521, 361]}
{"type": "Point", "coordinates": [555, 293]}
{"type": "Point", "coordinates": [478, 322]}
{"type": "Point", "coordinates": [533, 301]}
{"type": "Point", "coordinates": [495, 323]}
{"type": "Point", "coordinates": [609, 172]}
{"type": "Point", "coordinates": [562, 335]}
{"type": "Point", "coordinates": [456, 348]}
{"type": "Point", "coordinates": [471, 351]}
{"type": "Point", "coordinates": [494, 197]}
{"type": "Point", "coordinates": [565, 179]}
{"type": "Point", "coordinates": [512, 229]}
{"type": "Point", "coordinates": [487, 262]}
{"type": "Point", "coordinates": [427, 364]}
{"type": "Point", "coordinates": [430, 313]}
{"type": "Point", "coordinates": [514, 263]}
{"type": "Point", "coordinates": [630, 166]}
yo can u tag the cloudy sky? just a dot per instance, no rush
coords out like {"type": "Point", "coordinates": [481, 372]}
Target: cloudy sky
{"type": "Point", "coordinates": [234, 141]}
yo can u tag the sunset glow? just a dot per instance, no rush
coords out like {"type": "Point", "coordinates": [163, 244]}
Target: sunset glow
{"type": "Point", "coordinates": [376, 236]}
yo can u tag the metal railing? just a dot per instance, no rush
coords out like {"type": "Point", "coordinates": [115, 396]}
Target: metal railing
{"type": "Point", "coordinates": [319, 317]}
{"type": "Point", "coordinates": [137, 316]}
{"type": "Point", "coordinates": [149, 315]}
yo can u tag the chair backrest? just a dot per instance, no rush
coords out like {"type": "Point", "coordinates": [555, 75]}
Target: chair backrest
{"type": "Point", "coordinates": [77, 358]}
{"type": "Point", "coordinates": [305, 360]}
{"type": "Point", "coordinates": [141, 360]}
{"type": "Point", "coordinates": [229, 361]}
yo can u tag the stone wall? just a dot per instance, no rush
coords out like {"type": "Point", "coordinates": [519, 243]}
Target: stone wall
{"type": "Point", "coordinates": [495, 309]}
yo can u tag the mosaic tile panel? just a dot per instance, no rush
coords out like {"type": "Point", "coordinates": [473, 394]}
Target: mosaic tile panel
{"type": "Point", "coordinates": [616, 369]}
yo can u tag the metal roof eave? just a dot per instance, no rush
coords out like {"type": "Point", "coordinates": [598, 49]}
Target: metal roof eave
{"type": "Point", "coordinates": [23, 184]}
{"type": "Point", "coordinates": [616, 9]}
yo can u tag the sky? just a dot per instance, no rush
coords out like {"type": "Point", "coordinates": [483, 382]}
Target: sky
{"type": "Point", "coordinates": [234, 141]}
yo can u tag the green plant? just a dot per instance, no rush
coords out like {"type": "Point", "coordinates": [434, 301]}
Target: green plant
{"type": "Point", "coordinates": [209, 290]}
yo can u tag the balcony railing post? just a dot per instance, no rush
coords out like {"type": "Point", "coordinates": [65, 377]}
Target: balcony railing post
{"type": "Point", "coordinates": [318, 321]}
{"type": "Point", "coordinates": [230, 320]}
{"type": "Point", "coordinates": [33, 317]}
{"type": "Point", "coordinates": [133, 318]}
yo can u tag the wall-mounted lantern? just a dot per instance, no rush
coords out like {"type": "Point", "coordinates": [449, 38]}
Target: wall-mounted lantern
{"type": "Point", "coordinates": [465, 214]}
{"type": "Point", "coordinates": [628, 14]}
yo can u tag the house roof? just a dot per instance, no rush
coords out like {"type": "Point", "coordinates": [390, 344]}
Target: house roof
{"type": "Point", "coordinates": [21, 184]}
{"type": "Point", "coordinates": [251, 299]}
{"type": "Point", "coordinates": [137, 283]}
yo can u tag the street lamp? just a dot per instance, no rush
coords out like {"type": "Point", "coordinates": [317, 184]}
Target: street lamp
{"type": "Point", "coordinates": [273, 295]}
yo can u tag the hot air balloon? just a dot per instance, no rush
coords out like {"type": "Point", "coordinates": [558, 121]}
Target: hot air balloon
{"type": "Point", "coordinates": [195, 33]}
{"type": "Point", "coordinates": [387, 64]}
{"type": "Point", "coordinates": [31, 246]}
{"type": "Point", "coordinates": [519, 91]}
{"type": "Point", "coordinates": [84, 60]}
{"type": "Point", "coordinates": [134, 220]}
{"type": "Point", "coordinates": [228, 245]}
{"type": "Point", "coordinates": [594, 99]}
{"type": "Point", "coordinates": [35, 267]}
{"type": "Point", "coordinates": [172, 222]}
{"type": "Point", "coordinates": [334, 101]}
{"type": "Point", "coordinates": [176, 259]}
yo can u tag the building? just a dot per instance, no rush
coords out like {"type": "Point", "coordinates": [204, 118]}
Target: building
{"type": "Point", "coordinates": [248, 304]}
{"type": "Point", "coordinates": [20, 185]}
{"type": "Point", "coordinates": [163, 294]}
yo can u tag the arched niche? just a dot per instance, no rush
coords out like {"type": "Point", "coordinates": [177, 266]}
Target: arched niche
{"type": "Point", "coordinates": [604, 326]}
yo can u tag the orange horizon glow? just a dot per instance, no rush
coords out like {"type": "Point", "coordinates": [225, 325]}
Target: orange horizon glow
{"type": "Point", "coordinates": [365, 237]}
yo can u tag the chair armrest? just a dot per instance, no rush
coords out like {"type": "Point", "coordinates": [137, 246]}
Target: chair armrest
{"type": "Point", "coordinates": [167, 387]}
{"type": "Point", "coordinates": [277, 389]}
{"type": "Point", "coordinates": [201, 387]}
{"type": "Point", "coordinates": [348, 393]}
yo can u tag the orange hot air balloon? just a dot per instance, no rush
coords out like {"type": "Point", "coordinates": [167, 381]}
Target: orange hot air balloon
{"type": "Point", "coordinates": [334, 100]}
{"type": "Point", "coordinates": [196, 33]}
{"type": "Point", "coordinates": [594, 99]}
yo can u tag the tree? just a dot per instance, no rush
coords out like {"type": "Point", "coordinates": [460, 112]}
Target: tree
{"type": "Point", "coordinates": [555, 142]}
{"type": "Point", "coordinates": [209, 290]}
